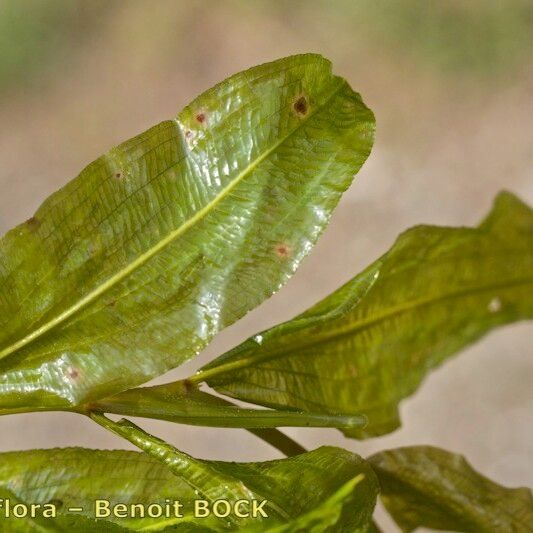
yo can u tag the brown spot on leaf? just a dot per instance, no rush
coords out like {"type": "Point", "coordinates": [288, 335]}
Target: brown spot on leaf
{"type": "Point", "coordinates": [301, 106]}
{"type": "Point", "coordinates": [282, 250]}
{"type": "Point", "coordinates": [119, 174]}
{"type": "Point", "coordinates": [112, 303]}
{"type": "Point", "coordinates": [33, 223]}
{"type": "Point", "coordinates": [201, 118]}
{"type": "Point", "coordinates": [73, 373]}
{"type": "Point", "coordinates": [189, 137]}
{"type": "Point", "coordinates": [188, 385]}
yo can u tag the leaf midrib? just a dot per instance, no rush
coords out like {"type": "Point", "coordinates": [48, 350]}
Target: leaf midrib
{"type": "Point", "coordinates": [359, 325]}
{"type": "Point", "coordinates": [163, 243]}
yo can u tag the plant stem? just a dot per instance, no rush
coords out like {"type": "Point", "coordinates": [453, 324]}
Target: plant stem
{"type": "Point", "coordinates": [273, 436]}
{"type": "Point", "coordinates": [204, 375]}
{"type": "Point", "coordinates": [279, 440]}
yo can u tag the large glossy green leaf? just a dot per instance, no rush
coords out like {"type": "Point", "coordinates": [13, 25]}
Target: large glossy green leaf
{"type": "Point", "coordinates": [424, 486]}
{"type": "Point", "coordinates": [369, 345]}
{"type": "Point", "coordinates": [331, 483]}
{"type": "Point", "coordinates": [133, 266]}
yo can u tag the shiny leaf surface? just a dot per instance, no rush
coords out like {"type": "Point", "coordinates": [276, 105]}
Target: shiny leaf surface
{"type": "Point", "coordinates": [428, 487]}
{"type": "Point", "coordinates": [137, 263]}
{"type": "Point", "coordinates": [293, 487]}
{"type": "Point", "coordinates": [233, 482]}
{"type": "Point", "coordinates": [370, 344]}
{"type": "Point", "coordinates": [327, 515]}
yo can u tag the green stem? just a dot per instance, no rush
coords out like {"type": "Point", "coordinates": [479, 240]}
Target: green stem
{"type": "Point", "coordinates": [272, 436]}
{"type": "Point", "coordinates": [201, 408]}
{"type": "Point", "coordinates": [184, 403]}
{"type": "Point", "coordinates": [203, 375]}
{"type": "Point", "coordinates": [279, 440]}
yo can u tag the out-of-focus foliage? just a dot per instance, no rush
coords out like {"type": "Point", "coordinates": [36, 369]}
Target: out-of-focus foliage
{"type": "Point", "coordinates": [35, 35]}
{"type": "Point", "coordinates": [479, 37]}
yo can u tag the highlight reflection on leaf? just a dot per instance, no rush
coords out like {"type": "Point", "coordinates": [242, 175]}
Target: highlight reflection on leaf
{"type": "Point", "coordinates": [135, 265]}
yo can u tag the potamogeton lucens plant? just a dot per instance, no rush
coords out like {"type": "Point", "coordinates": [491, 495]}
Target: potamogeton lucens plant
{"type": "Point", "coordinates": [134, 266]}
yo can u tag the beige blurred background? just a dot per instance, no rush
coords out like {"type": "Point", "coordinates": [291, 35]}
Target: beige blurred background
{"type": "Point", "coordinates": [451, 84]}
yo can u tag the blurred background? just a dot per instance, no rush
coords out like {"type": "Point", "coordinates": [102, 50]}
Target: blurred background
{"type": "Point", "coordinates": [451, 84]}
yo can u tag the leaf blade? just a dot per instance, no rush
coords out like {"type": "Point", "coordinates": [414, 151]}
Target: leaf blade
{"type": "Point", "coordinates": [62, 523]}
{"type": "Point", "coordinates": [77, 476]}
{"type": "Point", "coordinates": [423, 486]}
{"type": "Point", "coordinates": [370, 344]}
{"type": "Point", "coordinates": [175, 234]}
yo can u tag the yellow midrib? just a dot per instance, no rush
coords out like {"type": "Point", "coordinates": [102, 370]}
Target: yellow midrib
{"type": "Point", "coordinates": [146, 256]}
{"type": "Point", "coordinates": [352, 328]}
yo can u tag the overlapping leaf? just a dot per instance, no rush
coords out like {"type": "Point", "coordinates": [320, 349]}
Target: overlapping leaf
{"type": "Point", "coordinates": [424, 486]}
{"type": "Point", "coordinates": [132, 267]}
{"type": "Point", "coordinates": [329, 482]}
{"type": "Point", "coordinates": [349, 510]}
{"type": "Point", "coordinates": [369, 345]}
{"type": "Point", "coordinates": [327, 515]}
{"type": "Point", "coordinates": [178, 402]}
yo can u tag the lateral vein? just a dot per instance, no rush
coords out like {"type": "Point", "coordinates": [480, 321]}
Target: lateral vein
{"type": "Point", "coordinates": [146, 256]}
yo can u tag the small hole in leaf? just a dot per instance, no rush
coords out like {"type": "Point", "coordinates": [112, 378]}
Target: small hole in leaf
{"type": "Point", "coordinates": [301, 106]}
{"type": "Point", "coordinates": [119, 175]}
{"type": "Point", "coordinates": [73, 373]}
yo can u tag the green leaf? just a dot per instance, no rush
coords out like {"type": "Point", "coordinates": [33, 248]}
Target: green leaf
{"type": "Point", "coordinates": [185, 404]}
{"type": "Point", "coordinates": [135, 265]}
{"type": "Point", "coordinates": [428, 487]}
{"type": "Point", "coordinates": [233, 481]}
{"type": "Point", "coordinates": [326, 515]}
{"type": "Point", "coordinates": [371, 343]}
{"type": "Point", "coordinates": [293, 487]}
